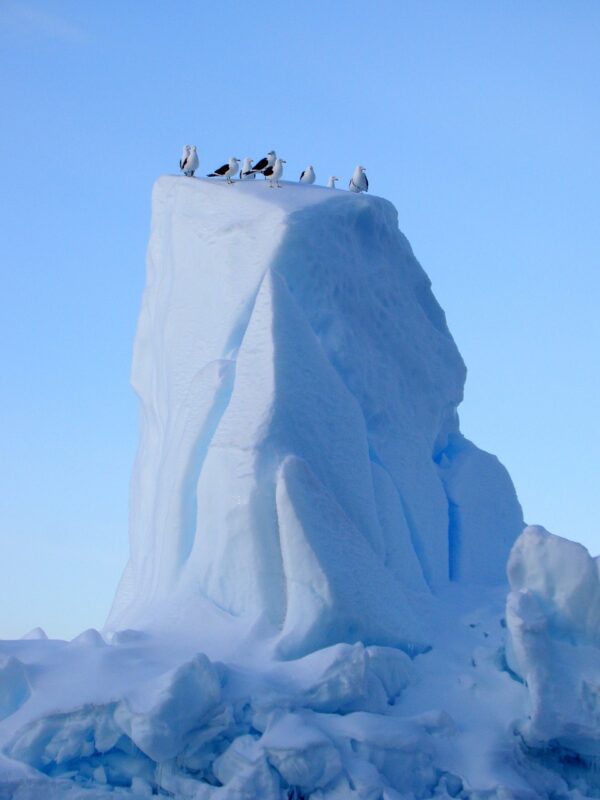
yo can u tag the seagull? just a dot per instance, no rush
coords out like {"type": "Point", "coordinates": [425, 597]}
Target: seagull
{"type": "Point", "coordinates": [265, 162]}
{"type": "Point", "coordinates": [246, 174]}
{"type": "Point", "coordinates": [358, 181]}
{"type": "Point", "coordinates": [184, 157]}
{"type": "Point", "coordinates": [273, 173]}
{"type": "Point", "coordinates": [229, 170]}
{"type": "Point", "coordinates": [189, 164]}
{"type": "Point", "coordinates": [331, 182]}
{"type": "Point", "coordinates": [308, 175]}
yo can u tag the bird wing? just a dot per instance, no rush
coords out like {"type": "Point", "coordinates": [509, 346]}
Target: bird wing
{"type": "Point", "coordinates": [366, 182]}
{"type": "Point", "coordinates": [261, 165]}
{"type": "Point", "coordinates": [268, 171]}
{"type": "Point", "coordinates": [303, 174]}
{"type": "Point", "coordinates": [221, 171]}
{"type": "Point", "coordinates": [183, 162]}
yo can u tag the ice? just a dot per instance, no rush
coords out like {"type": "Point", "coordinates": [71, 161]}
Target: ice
{"type": "Point", "coordinates": [304, 756]}
{"type": "Point", "coordinates": [80, 742]}
{"type": "Point", "coordinates": [289, 356]}
{"type": "Point", "coordinates": [124, 743]}
{"type": "Point", "coordinates": [340, 679]}
{"type": "Point", "coordinates": [330, 598]}
{"type": "Point", "coordinates": [35, 633]}
{"type": "Point", "coordinates": [484, 513]}
{"type": "Point", "coordinates": [89, 637]}
{"type": "Point", "coordinates": [183, 701]}
{"type": "Point", "coordinates": [553, 614]}
{"type": "Point", "coordinates": [14, 686]}
{"type": "Point", "coordinates": [313, 605]}
{"type": "Point", "coordinates": [563, 577]}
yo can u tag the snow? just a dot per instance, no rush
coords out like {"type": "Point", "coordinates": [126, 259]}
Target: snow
{"type": "Point", "coordinates": [314, 604]}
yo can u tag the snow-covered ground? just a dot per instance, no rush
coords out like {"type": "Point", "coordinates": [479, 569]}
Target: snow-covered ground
{"type": "Point", "coordinates": [314, 604]}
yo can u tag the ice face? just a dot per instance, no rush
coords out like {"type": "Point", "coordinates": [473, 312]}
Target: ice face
{"type": "Point", "coordinates": [14, 685]}
{"type": "Point", "coordinates": [299, 438]}
{"type": "Point", "coordinates": [553, 614]}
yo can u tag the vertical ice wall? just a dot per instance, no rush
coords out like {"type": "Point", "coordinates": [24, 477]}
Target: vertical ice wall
{"type": "Point", "coordinates": [300, 459]}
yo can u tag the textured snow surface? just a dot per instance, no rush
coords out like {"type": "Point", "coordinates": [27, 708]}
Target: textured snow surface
{"type": "Point", "coordinates": [315, 602]}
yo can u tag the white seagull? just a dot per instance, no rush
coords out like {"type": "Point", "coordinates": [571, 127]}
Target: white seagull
{"type": "Point", "coordinates": [331, 182]}
{"type": "Point", "coordinates": [246, 174]}
{"type": "Point", "coordinates": [358, 181]}
{"type": "Point", "coordinates": [184, 157]}
{"type": "Point", "coordinates": [190, 164]}
{"type": "Point", "coordinates": [229, 170]}
{"type": "Point", "coordinates": [308, 175]}
{"type": "Point", "coordinates": [265, 162]}
{"type": "Point", "coordinates": [273, 173]}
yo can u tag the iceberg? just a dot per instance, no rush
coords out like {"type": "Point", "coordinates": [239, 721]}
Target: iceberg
{"type": "Point", "coordinates": [315, 603]}
{"type": "Point", "coordinates": [300, 462]}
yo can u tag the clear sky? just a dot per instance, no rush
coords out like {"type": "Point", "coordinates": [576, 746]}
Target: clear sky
{"type": "Point", "coordinates": [479, 121]}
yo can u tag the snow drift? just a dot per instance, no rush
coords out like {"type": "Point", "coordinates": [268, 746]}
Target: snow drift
{"type": "Point", "coordinates": [300, 459]}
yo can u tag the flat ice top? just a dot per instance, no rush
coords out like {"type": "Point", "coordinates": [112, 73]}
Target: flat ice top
{"type": "Point", "coordinates": [291, 197]}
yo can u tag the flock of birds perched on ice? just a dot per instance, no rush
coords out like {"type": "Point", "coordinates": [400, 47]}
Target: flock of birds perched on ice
{"type": "Point", "coordinates": [270, 166]}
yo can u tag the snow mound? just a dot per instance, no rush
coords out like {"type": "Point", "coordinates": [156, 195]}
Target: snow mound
{"type": "Point", "coordinates": [553, 614]}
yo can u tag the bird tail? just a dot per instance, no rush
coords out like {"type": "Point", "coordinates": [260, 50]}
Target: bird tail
{"type": "Point", "coordinates": [212, 175]}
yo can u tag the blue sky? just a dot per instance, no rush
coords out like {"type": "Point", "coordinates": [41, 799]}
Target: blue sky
{"type": "Point", "coordinates": [479, 121]}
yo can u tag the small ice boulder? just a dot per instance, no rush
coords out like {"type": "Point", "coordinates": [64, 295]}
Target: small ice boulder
{"type": "Point", "coordinates": [304, 756]}
{"type": "Point", "coordinates": [35, 633]}
{"type": "Point", "coordinates": [344, 683]}
{"type": "Point", "coordinates": [89, 637]}
{"type": "Point", "coordinates": [127, 636]}
{"type": "Point", "coordinates": [346, 678]}
{"type": "Point", "coordinates": [184, 699]}
{"type": "Point", "coordinates": [245, 773]}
